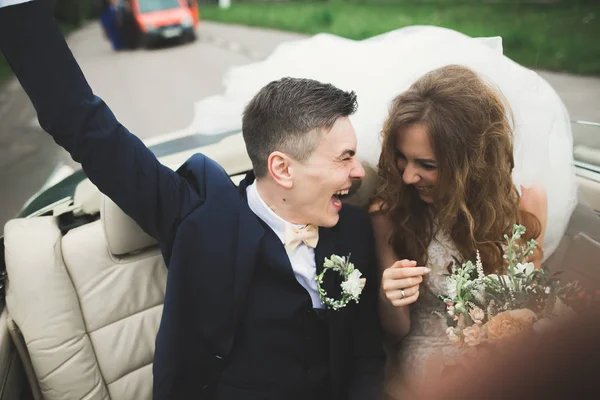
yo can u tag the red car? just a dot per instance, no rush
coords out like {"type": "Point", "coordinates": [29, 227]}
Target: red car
{"type": "Point", "coordinates": [166, 19]}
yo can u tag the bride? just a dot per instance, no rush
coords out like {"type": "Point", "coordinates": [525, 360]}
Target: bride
{"type": "Point", "coordinates": [447, 193]}
{"type": "Point", "coordinates": [457, 171]}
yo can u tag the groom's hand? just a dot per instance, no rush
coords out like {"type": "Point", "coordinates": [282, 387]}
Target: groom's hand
{"type": "Point", "coordinates": [400, 282]}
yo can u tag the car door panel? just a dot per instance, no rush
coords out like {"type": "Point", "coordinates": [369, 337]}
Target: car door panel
{"type": "Point", "coordinates": [13, 384]}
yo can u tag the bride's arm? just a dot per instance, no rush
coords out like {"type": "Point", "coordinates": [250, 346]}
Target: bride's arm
{"type": "Point", "coordinates": [395, 321]}
{"type": "Point", "coordinates": [535, 201]}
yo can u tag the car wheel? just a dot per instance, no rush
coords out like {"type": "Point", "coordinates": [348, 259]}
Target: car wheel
{"type": "Point", "coordinates": [190, 36]}
{"type": "Point", "coordinates": [145, 42]}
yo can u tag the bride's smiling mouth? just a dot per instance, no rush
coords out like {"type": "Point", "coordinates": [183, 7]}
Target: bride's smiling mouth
{"type": "Point", "coordinates": [424, 189]}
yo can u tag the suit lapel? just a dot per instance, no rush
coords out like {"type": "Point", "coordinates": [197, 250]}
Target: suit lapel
{"type": "Point", "coordinates": [249, 236]}
{"type": "Point", "coordinates": [327, 246]}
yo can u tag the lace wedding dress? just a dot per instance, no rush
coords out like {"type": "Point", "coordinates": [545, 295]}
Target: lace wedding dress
{"type": "Point", "coordinates": [424, 353]}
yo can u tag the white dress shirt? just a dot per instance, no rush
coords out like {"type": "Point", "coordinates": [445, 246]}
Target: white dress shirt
{"type": "Point", "coordinates": [302, 258]}
{"type": "Point", "coordinates": [6, 3]}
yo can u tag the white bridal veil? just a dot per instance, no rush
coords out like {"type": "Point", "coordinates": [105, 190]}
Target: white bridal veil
{"type": "Point", "coordinates": [379, 68]}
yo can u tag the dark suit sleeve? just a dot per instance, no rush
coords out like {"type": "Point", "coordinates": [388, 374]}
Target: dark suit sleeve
{"type": "Point", "coordinates": [367, 339]}
{"type": "Point", "coordinates": [115, 160]}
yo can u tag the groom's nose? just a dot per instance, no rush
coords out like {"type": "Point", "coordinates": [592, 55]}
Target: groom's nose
{"type": "Point", "coordinates": [357, 172]}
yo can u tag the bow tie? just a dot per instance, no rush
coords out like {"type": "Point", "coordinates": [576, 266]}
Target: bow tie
{"type": "Point", "coordinates": [308, 234]}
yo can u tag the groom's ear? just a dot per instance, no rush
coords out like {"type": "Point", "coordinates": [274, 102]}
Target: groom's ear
{"type": "Point", "coordinates": [279, 168]}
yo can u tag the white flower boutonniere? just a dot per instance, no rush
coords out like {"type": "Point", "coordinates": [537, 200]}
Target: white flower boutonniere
{"type": "Point", "coordinates": [352, 283]}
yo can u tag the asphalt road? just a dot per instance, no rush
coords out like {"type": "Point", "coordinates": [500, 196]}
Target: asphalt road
{"type": "Point", "coordinates": [153, 92]}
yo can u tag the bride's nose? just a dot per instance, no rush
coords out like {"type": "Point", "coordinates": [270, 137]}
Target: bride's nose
{"type": "Point", "coordinates": [410, 175]}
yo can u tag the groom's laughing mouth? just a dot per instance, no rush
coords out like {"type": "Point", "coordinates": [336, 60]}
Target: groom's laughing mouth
{"type": "Point", "coordinates": [338, 196]}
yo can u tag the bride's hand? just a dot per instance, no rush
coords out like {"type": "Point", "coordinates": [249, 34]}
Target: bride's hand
{"type": "Point", "coordinates": [400, 282]}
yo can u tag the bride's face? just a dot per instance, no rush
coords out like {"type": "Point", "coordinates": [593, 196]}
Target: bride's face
{"type": "Point", "coordinates": [416, 161]}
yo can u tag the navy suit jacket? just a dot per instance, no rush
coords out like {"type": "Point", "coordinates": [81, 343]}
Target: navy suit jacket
{"type": "Point", "coordinates": [208, 235]}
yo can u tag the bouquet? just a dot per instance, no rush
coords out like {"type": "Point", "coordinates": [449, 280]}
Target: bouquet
{"type": "Point", "coordinates": [484, 309]}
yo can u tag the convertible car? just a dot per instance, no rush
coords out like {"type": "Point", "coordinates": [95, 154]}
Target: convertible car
{"type": "Point", "coordinates": [85, 285]}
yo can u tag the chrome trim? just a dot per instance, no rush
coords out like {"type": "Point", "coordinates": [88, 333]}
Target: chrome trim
{"type": "Point", "coordinates": [49, 207]}
{"type": "Point", "coordinates": [54, 178]}
{"type": "Point", "coordinates": [590, 123]}
{"type": "Point", "coordinates": [587, 174]}
{"type": "Point", "coordinates": [585, 169]}
{"type": "Point", "coordinates": [187, 142]}
{"type": "Point", "coordinates": [587, 166]}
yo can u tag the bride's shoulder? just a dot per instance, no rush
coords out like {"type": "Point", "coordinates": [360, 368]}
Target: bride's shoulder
{"type": "Point", "coordinates": [377, 207]}
{"type": "Point", "coordinates": [381, 223]}
{"type": "Point", "coordinates": [534, 199]}
{"type": "Point", "coordinates": [379, 217]}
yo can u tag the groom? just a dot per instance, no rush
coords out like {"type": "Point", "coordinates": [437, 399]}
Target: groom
{"type": "Point", "coordinates": [242, 316]}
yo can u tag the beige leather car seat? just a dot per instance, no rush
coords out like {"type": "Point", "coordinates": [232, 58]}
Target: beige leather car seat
{"type": "Point", "coordinates": [12, 378]}
{"type": "Point", "coordinates": [88, 305]}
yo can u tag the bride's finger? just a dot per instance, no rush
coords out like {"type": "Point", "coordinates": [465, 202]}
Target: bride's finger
{"type": "Point", "coordinates": [405, 302]}
{"type": "Point", "coordinates": [397, 294]}
{"type": "Point", "coordinates": [402, 273]}
{"type": "Point", "coordinates": [404, 264]}
{"type": "Point", "coordinates": [396, 284]}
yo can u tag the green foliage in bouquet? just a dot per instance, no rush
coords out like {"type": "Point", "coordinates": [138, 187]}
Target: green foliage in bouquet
{"type": "Point", "coordinates": [523, 286]}
{"type": "Point", "coordinates": [482, 308]}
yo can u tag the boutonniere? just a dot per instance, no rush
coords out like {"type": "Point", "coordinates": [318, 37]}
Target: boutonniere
{"type": "Point", "coordinates": [352, 283]}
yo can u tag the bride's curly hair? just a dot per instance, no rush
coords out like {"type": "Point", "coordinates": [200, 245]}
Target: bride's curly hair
{"type": "Point", "coordinates": [475, 200]}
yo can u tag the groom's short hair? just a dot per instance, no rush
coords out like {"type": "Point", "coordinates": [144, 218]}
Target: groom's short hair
{"type": "Point", "coordinates": [290, 115]}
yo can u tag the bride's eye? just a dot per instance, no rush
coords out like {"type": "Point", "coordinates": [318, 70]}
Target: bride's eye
{"type": "Point", "coordinates": [429, 167]}
{"type": "Point", "coordinates": [399, 155]}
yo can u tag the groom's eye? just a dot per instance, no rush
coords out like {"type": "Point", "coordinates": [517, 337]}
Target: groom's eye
{"type": "Point", "coordinates": [347, 155]}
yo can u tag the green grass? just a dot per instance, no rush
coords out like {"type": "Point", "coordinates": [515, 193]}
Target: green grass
{"type": "Point", "coordinates": [558, 37]}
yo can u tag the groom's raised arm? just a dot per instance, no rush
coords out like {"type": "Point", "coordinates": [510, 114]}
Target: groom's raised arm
{"type": "Point", "coordinates": [115, 160]}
